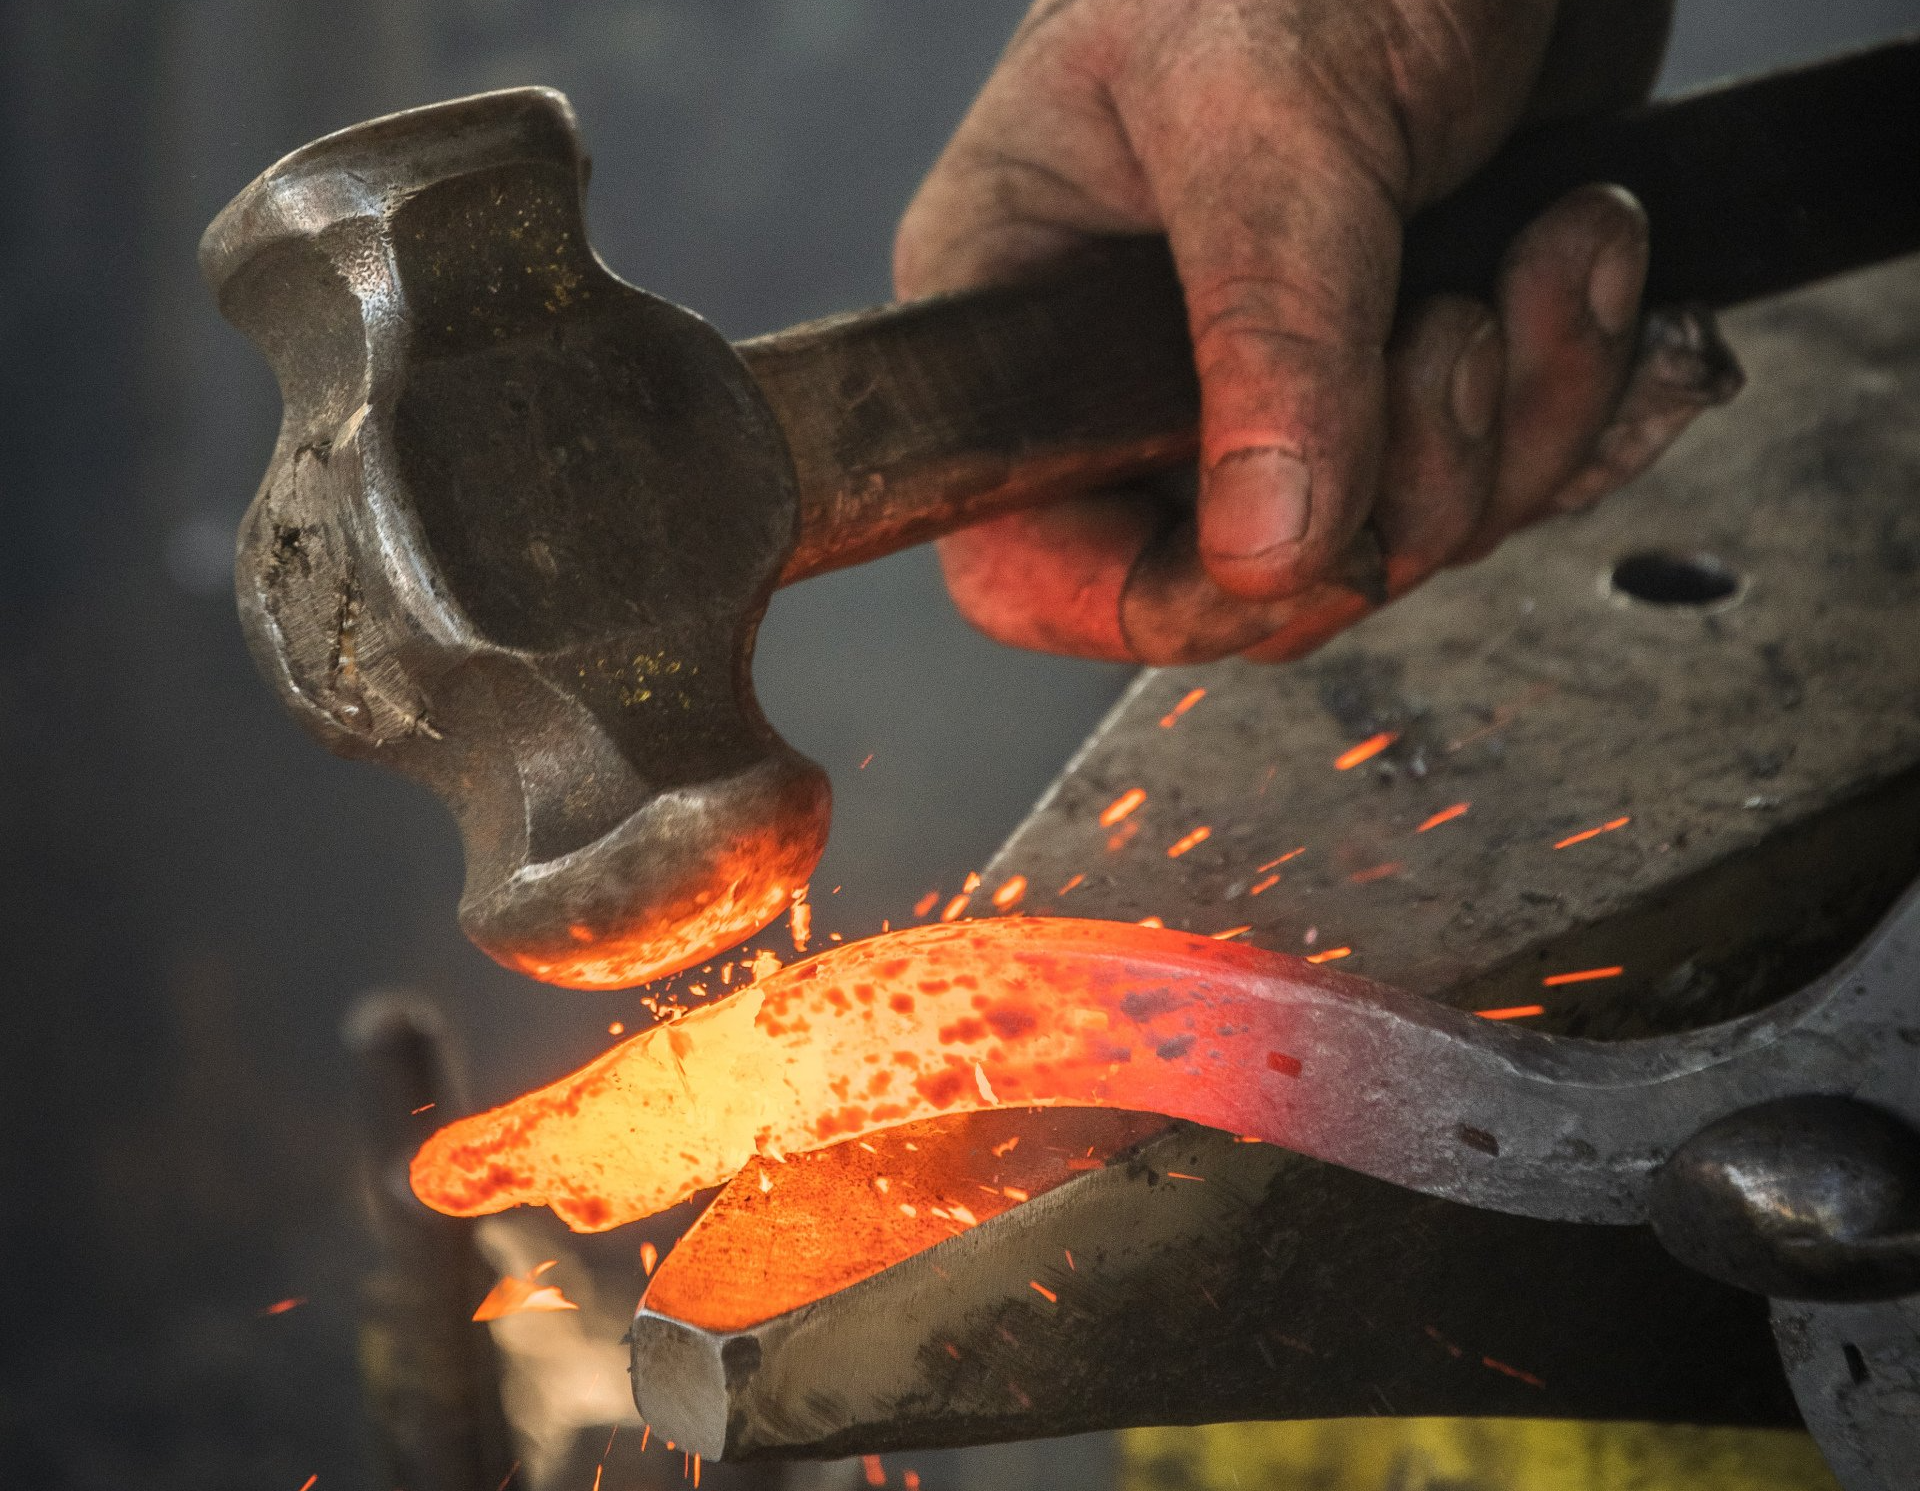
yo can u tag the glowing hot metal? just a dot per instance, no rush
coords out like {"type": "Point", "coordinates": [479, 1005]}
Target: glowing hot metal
{"type": "Point", "coordinates": [933, 1020]}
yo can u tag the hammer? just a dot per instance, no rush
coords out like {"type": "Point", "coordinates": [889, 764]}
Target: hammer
{"type": "Point", "coordinates": [523, 519]}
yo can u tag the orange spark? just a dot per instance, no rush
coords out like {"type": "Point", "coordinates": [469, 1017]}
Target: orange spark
{"type": "Point", "coordinates": [954, 907]}
{"type": "Point", "coordinates": [1077, 880]}
{"type": "Point", "coordinates": [910, 1479]}
{"type": "Point", "coordinates": [281, 1307]}
{"type": "Point", "coordinates": [1231, 933]}
{"type": "Point", "coordinates": [1014, 1193]}
{"type": "Point", "coordinates": [1010, 892]}
{"type": "Point", "coordinates": [1592, 833]}
{"type": "Point", "coordinates": [1331, 955]}
{"type": "Point", "coordinates": [1378, 872]}
{"type": "Point", "coordinates": [1045, 1293]}
{"type": "Point", "coordinates": [876, 1472]}
{"type": "Point", "coordinates": [1445, 815]}
{"type": "Point", "coordinates": [926, 903]}
{"type": "Point", "coordinates": [519, 1294]}
{"type": "Point", "coordinates": [1001, 1151]}
{"type": "Point", "coordinates": [1122, 805]}
{"type": "Point", "coordinates": [616, 1027]}
{"type": "Point", "coordinates": [310, 1482]}
{"type": "Point", "coordinates": [1512, 1012]}
{"type": "Point", "coordinates": [866, 763]}
{"type": "Point", "coordinates": [1290, 854]}
{"type": "Point", "coordinates": [649, 1256]}
{"type": "Point", "coordinates": [937, 1019]}
{"type": "Point", "coordinates": [971, 883]}
{"type": "Point", "coordinates": [800, 922]}
{"type": "Point", "coordinates": [1191, 698]}
{"type": "Point", "coordinates": [1580, 976]}
{"type": "Point", "coordinates": [1187, 841]}
{"type": "Point", "coordinates": [1514, 1372]}
{"type": "Point", "coordinates": [1182, 1175]}
{"type": "Point", "coordinates": [422, 1108]}
{"type": "Point", "coordinates": [1150, 921]}
{"type": "Point", "coordinates": [1266, 883]}
{"type": "Point", "coordinates": [1372, 746]}
{"type": "Point", "coordinates": [1071, 1268]}
{"type": "Point", "coordinates": [1122, 836]}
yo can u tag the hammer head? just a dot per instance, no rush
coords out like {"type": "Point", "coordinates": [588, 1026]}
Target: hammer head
{"type": "Point", "coordinates": [519, 529]}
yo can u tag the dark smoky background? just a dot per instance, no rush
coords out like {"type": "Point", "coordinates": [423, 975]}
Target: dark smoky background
{"type": "Point", "coordinates": [191, 894]}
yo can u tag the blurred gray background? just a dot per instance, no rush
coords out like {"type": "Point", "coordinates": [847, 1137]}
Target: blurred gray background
{"type": "Point", "coordinates": [190, 893]}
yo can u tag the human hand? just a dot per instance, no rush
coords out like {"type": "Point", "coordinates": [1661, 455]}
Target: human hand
{"type": "Point", "coordinates": [1281, 145]}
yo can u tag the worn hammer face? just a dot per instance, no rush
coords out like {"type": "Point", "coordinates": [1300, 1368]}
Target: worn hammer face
{"type": "Point", "coordinates": [518, 531]}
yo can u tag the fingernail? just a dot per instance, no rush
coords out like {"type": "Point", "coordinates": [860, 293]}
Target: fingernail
{"type": "Point", "coordinates": [1614, 282]}
{"type": "Point", "coordinates": [1474, 391]}
{"type": "Point", "coordinates": [1255, 500]}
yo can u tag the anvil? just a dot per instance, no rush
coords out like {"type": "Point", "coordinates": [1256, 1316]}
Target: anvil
{"type": "Point", "coordinates": [1706, 658]}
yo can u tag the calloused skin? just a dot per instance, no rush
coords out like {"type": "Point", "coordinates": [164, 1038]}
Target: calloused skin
{"type": "Point", "coordinates": [1281, 145]}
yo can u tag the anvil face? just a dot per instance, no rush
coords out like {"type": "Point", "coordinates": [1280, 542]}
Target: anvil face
{"type": "Point", "coordinates": [1768, 761]}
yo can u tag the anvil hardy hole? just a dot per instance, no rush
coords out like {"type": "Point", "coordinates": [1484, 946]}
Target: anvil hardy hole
{"type": "Point", "coordinates": [1659, 579]}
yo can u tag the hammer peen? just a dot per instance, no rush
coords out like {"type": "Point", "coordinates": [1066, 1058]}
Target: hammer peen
{"type": "Point", "coordinates": [523, 519]}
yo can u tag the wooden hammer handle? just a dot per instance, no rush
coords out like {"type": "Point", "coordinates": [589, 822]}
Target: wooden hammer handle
{"type": "Point", "coordinates": [913, 420]}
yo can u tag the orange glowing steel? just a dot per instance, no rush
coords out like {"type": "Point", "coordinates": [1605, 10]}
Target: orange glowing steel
{"type": "Point", "coordinates": [1592, 833]}
{"type": "Point", "coordinates": [1010, 891]}
{"type": "Point", "coordinates": [1331, 955]}
{"type": "Point", "coordinates": [1512, 1012]}
{"type": "Point", "coordinates": [1580, 976]}
{"type": "Point", "coordinates": [1372, 746]}
{"type": "Point", "coordinates": [1188, 841]}
{"type": "Point", "coordinates": [1191, 698]}
{"type": "Point", "coordinates": [876, 1473]}
{"type": "Point", "coordinates": [871, 1035]}
{"type": "Point", "coordinates": [520, 1294]}
{"type": "Point", "coordinates": [1122, 805]}
{"type": "Point", "coordinates": [1445, 815]}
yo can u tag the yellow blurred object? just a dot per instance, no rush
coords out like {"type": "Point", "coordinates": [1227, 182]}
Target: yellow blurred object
{"type": "Point", "coordinates": [1469, 1455]}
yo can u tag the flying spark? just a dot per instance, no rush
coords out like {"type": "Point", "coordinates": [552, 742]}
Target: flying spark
{"type": "Point", "coordinates": [1372, 746]}
{"type": "Point", "coordinates": [1192, 697]}
{"type": "Point", "coordinates": [1512, 1012]}
{"type": "Point", "coordinates": [1330, 955]}
{"type": "Point", "coordinates": [1592, 833]}
{"type": "Point", "coordinates": [1010, 892]}
{"type": "Point", "coordinates": [1122, 805]}
{"type": "Point", "coordinates": [1188, 841]}
{"type": "Point", "coordinates": [1445, 815]}
{"type": "Point", "coordinates": [1580, 976]}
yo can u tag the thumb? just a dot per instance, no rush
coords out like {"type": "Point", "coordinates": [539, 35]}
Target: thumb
{"type": "Point", "coordinates": [1289, 254]}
